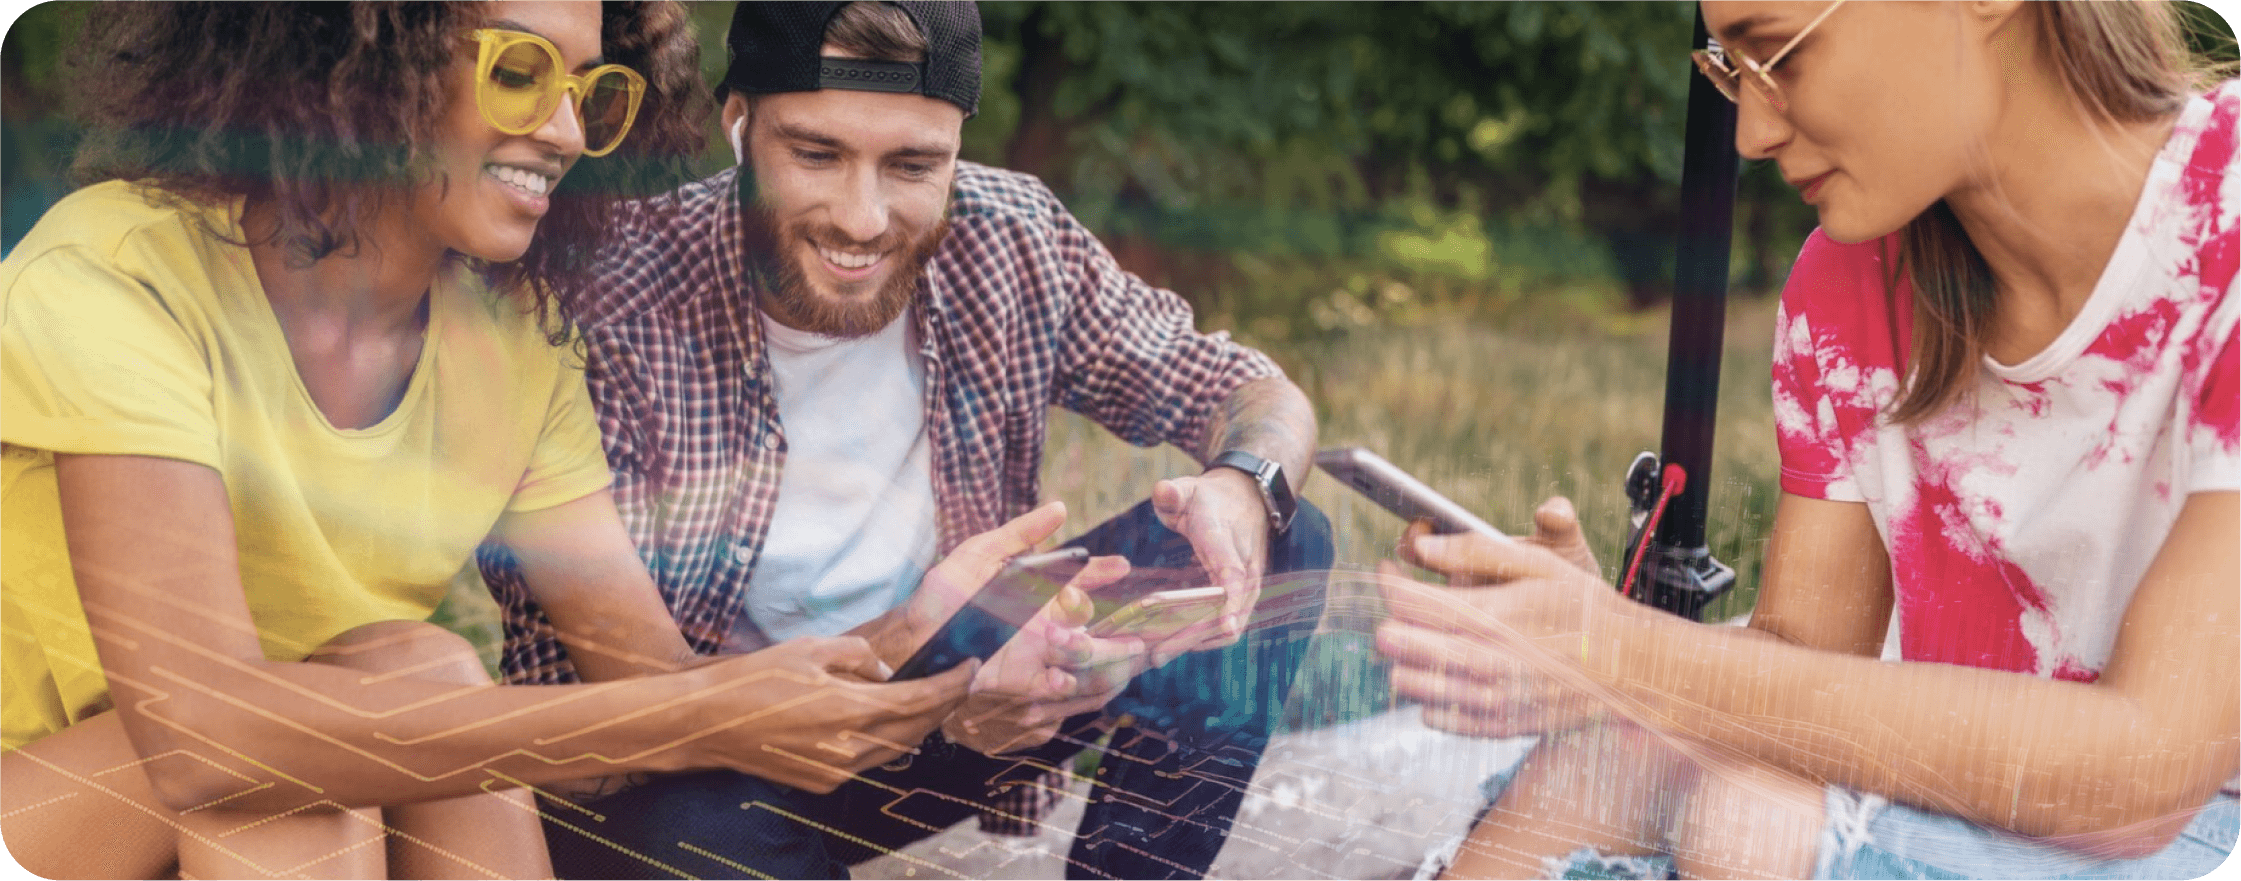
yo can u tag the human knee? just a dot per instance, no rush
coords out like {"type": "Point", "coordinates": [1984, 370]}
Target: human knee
{"type": "Point", "coordinates": [1651, 752]}
{"type": "Point", "coordinates": [1296, 583]}
{"type": "Point", "coordinates": [1744, 819]}
{"type": "Point", "coordinates": [409, 648]}
{"type": "Point", "coordinates": [57, 824]}
{"type": "Point", "coordinates": [1611, 747]}
{"type": "Point", "coordinates": [1306, 546]}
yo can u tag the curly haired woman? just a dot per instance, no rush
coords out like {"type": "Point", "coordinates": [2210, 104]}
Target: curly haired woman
{"type": "Point", "coordinates": [267, 383]}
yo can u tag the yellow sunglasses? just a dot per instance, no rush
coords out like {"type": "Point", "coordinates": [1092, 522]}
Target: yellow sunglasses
{"type": "Point", "coordinates": [519, 82]}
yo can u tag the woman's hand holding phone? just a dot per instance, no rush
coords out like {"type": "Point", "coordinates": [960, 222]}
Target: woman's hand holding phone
{"type": "Point", "coordinates": [1502, 649]}
{"type": "Point", "coordinates": [1470, 558]}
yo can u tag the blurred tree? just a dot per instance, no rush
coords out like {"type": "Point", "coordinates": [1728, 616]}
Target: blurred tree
{"type": "Point", "coordinates": [1326, 113]}
{"type": "Point", "coordinates": [1485, 136]}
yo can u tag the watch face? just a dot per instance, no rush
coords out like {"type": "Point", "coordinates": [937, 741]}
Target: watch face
{"type": "Point", "coordinates": [1276, 493]}
{"type": "Point", "coordinates": [1281, 506]}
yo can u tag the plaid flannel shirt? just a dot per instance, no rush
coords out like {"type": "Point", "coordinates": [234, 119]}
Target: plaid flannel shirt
{"type": "Point", "coordinates": [1019, 310]}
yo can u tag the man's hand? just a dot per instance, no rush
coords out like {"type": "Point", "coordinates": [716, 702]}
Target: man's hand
{"type": "Point", "coordinates": [812, 712]}
{"type": "Point", "coordinates": [1222, 515]}
{"type": "Point", "coordinates": [955, 580]}
{"type": "Point", "coordinates": [1221, 511]}
{"type": "Point", "coordinates": [1504, 649]}
{"type": "Point", "coordinates": [1051, 671]}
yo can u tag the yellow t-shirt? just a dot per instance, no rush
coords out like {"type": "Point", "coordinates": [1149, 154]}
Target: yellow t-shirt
{"type": "Point", "coordinates": [127, 328]}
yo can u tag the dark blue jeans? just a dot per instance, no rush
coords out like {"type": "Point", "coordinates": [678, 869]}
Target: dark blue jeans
{"type": "Point", "coordinates": [1166, 791]}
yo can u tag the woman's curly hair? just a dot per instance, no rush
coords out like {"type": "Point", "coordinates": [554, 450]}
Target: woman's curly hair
{"type": "Point", "coordinates": [327, 109]}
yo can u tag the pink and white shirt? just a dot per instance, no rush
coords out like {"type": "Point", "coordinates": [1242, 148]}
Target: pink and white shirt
{"type": "Point", "coordinates": [2020, 520]}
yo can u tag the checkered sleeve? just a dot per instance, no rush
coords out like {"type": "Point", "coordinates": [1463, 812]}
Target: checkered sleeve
{"type": "Point", "coordinates": [626, 280]}
{"type": "Point", "coordinates": [1130, 357]}
{"type": "Point", "coordinates": [532, 653]}
{"type": "Point", "coordinates": [632, 289]}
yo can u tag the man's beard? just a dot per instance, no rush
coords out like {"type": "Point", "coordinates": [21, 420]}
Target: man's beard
{"type": "Point", "coordinates": [774, 258]}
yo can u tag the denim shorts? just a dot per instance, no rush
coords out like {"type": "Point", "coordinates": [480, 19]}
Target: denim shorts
{"type": "Point", "coordinates": [1864, 836]}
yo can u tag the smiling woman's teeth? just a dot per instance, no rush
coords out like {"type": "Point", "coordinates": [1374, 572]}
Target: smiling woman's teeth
{"type": "Point", "coordinates": [846, 260]}
{"type": "Point", "coordinates": [520, 178]}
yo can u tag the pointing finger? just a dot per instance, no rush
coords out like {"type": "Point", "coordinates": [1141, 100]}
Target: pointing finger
{"type": "Point", "coordinates": [979, 558]}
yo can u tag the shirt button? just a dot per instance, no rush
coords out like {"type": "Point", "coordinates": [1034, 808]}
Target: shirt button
{"type": "Point", "coordinates": [742, 554]}
{"type": "Point", "coordinates": [770, 441]}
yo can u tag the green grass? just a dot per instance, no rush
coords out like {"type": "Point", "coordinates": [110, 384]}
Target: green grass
{"type": "Point", "coordinates": [1495, 419]}
{"type": "Point", "coordinates": [1495, 416]}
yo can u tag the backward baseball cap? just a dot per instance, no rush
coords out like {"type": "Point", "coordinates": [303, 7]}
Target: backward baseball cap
{"type": "Point", "coordinates": [777, 47]}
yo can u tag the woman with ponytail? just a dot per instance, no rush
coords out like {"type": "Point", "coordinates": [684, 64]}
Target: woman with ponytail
{"type": "Point", "coordinates": [2005, 388]}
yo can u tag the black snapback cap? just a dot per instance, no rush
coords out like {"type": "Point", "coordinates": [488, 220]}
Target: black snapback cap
{"type": "Point", "coordinates": [777, 47]}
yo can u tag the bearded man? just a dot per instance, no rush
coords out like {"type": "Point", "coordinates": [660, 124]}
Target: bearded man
{"type": "Point", "coordinates": [821, 370]}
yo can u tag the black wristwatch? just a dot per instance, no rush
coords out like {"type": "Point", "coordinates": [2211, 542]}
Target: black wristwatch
{"type": "Point", "coordinates": [1269, 476]}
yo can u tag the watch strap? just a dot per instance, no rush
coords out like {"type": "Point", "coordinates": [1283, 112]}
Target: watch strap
{"type": "Point", "coordinates": [1276, 492]}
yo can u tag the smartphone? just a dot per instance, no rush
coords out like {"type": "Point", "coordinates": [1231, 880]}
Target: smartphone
{"type": "Point", "coordinates": [1396, 491]}
{"type": "Point", "coordinates": [1161, 614]}
{"type": "Point", "coordinates": [994, 614]}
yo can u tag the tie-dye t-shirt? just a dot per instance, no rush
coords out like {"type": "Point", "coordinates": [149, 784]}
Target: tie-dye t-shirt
{"type": "Point", "coordinates": [2020, 519]}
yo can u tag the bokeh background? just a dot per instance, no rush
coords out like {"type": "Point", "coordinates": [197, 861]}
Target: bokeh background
{"type": "Point", "coordinates": [1452, 223]}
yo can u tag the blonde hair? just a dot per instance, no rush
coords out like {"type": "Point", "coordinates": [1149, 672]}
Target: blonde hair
{"type": "Point", "coordinates": [2122, 62]}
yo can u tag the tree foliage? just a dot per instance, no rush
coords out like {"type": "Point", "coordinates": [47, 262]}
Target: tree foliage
{"type": "Point", "coordinates": [1483, 141]}
{"type": "Point", "coordinates": [1321, 128]}
{"type": "Point", "coordinates": [1335, 106]}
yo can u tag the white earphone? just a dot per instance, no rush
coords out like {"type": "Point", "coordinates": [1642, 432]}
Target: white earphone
{"type": "Point", "coordinates": [739, 151]}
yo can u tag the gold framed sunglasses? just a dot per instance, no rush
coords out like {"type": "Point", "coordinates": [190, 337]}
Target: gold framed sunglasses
{"type": "Point", "coordinates": [519, 82]}
{"type": "Point", "coordinates": [1713, 62]}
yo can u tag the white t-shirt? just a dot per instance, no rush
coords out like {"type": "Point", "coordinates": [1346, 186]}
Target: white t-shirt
{"type": "Point", "coordinates": [853, 530]}
{"type": "Point", "coordinates": [2020, 521]}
